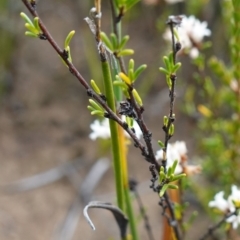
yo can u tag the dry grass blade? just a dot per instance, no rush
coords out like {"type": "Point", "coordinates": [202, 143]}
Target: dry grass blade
{"type": "Point", "coordinates": [92, 179]}
{"type": "Point", "coordinates": [119, 216]}
{"type": "Point", "coordinates": [67, 228]}
{"type": "Point", "coordinates": [44, 178]}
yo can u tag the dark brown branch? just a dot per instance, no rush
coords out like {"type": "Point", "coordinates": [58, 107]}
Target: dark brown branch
{"type": "Point", "coordinates": [171, 117]}
{"type": "Point", "coordinates": [74, 71]}
{"type": "Point", "coordinates": [216, 226]}
{"type": "Point", "coordinates": [173, 78]}
{"type": "Point", "coordinates": [149, 155]}
{"type": "Point", "coordinates": [147, 135]}
{"type": "Point", "coordinates": [172, 220]}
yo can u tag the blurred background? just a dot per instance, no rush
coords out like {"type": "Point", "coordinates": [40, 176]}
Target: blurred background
{"type": "Point", "coordinates": [45, 124]}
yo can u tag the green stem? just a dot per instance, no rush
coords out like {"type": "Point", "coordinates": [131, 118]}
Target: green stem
{"type": "Point", "coordinates": [114, 135]}
{"type": "Point", "coordinates": [130, 214]}
{"type": "Point", "coordinates": [121, 142]}
{"type": "Point", "coordinates": [117, 29]}
{"type": "Point", "coordinates": [127, 198]}
{"type": "Point", "coordinates": [122, 192]}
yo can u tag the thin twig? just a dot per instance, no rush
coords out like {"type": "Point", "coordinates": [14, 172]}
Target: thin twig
{"type": "Point", "coordinates": [98, 19]}
{"type": "Point", "coordinates": [173, 221]}
{"type": "Point", "coordinates": [171, 116]}
{"type": "Point", "coordinates": [147, 135]}
{"type": "Point", "coordinates": [84, 83]}
{"type": "Point", "coordinates": [133, 186]}
{"type": "Point", "coordinates": [216, 226]}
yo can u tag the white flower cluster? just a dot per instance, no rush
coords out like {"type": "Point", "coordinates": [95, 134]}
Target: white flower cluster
{"type": "Point", "coordinates": [101, 129]}
{"type": "Point", "coordinates": [175, 151]}
{"type": "Point", "coordinates": [178, 151]}
{"type": "Point", "coordinates": [191, 33]}
{"type": "Point", "coordinates": [228, 205]}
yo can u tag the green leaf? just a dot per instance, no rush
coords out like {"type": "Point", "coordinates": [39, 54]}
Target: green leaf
{"type": "Point", "coordinates": [31, 28]}
{"type": "Point", "coordinates": [163, 190]}
{"type": "Point", "coordinates": [169, 172]}
{"type": "Point", "coordinates": [120, 84]}
{"type": "Point", "coordinates": [95, 105]}
{"type": "Point", "coordinates": [165, 71]}
{"type": "Point", "coordinates": [131, 65]}
{"type": "Point", "coordinates": [125, 78]}
{"type": "Point", "coordinates": [167, 63]}
{"type": "Point", "coordinates": [68, 39]}
{"type": "Point", "coordinates": [125, 52]}
{"type": "Point", "coordinates": [31, 34]}
{"type": "Point", "coordinates": [174, 166]}
{"type": "Point", "coordinates": [26, 18]}
{"type": "Point", "coordinates": [95, 87]}
{"type": "Point", "coordinates": [176, 67]}
{"type": "Point", "coordinates": [36, 24]}
{"type": "Point", "coordinates": [172, 186]}
{"type": "Point", "coordinates": [170, 57]}
{"type": "Point", "coordinates": [161, 144]}
{"type": "Point", "coordinates": [162, 176]}
{"type": "Point", "coordinates": [137, 97]}
{"type": "Point", "coordinates": [179, 176]}
{"type": "Point", "coordinates": [131, 75]}
{"type": "Point", "coordinates": [165, 121]}
{"type": "Point", "coordinates": [106, 41]}
{"type": "Point", "coordinates": [171, 129]}
{"type": "Point", "coordinates": [90, 108]}
{"type": "Point", "coordinates": [97, 112]}
{"type": "Point", "coordinates": [123, 42]}
{"type": "Point", "coordinates": [114, 41]}
{"type": "Point", "coordinates": [139, 70]}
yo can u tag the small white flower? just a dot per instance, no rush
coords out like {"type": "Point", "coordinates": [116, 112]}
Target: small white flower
{"type": "Point", "coordinates": [180, 147]}
{"type": "Point", "coordinates": [234, 198]}
{"type": "Point", "coordinates": [101, 129]}
{"type": "Point", "coordinates": [235, 220]}
{"type": "Point", "coordinates": [173, 1]}
{"type": "Point", "coordinates": [228, 206]}
{"type": "Point", "coordinates": [219, 202]}
{"type": "Point", "coordinates": [175, 151]}
{"type": "Point", "coordinates": [195, 29]}
{"type": "Point", "coordinates": [191, 33]}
